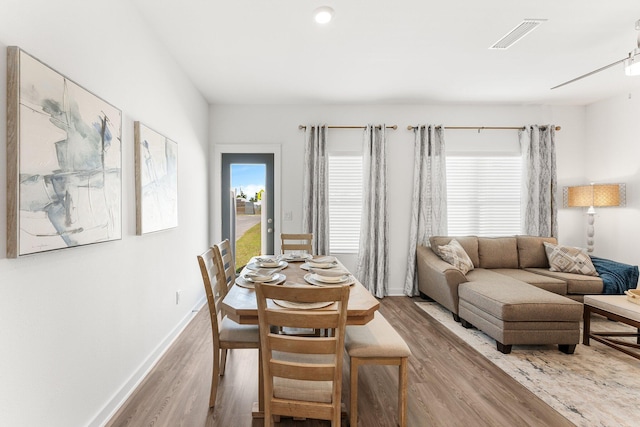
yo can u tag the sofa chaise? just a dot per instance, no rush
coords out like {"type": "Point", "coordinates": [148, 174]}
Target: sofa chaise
{"type": "Point", "coordinates": [498, 259]}
{"type": "Point", "coordinates": [509, 293]}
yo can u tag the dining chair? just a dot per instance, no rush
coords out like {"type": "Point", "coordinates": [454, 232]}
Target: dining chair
{"type": "Point", "coordinates": [376, 343]}
{"type": "Point", "coordinates": [225, 263]}
{"type": "Point", "coordinates": [296, 242]}
{"type": "Point", "coordinates": [302, 374]}
{"type": "Point", "coordinates": [227, 334]}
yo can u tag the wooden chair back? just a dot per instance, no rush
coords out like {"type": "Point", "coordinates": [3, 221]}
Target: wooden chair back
{"type": "Point", "coordinates": [296, 242]}
{"type": "Point", "coordinates": [302, 374]}
{"type": "Point", "coordinates": [224, 263]}
{"type": "Point", "coordinates": [215, 292]}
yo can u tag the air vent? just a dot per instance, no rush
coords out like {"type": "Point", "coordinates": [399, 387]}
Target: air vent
{"type": "Point", "coordinates": [521, 30]}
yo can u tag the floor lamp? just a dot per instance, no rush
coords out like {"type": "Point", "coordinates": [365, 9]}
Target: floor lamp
{"type": "Point", "coordinates": [592, 196]}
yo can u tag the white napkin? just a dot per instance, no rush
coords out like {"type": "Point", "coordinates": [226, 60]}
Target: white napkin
{"type": "Point", "coordinates": [323, 262]}
{"type": "Point", "coordinates": [263, 274]}
{"type": "Point", "coordinates": [295, 256]}
{"type": "Point", "coordinates": [334, 272]}
{"type": "Point", "coordinates": [268, 262]}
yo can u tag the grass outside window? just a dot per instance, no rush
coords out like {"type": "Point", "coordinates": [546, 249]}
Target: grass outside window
{"type": "Point", "coordinates": [248, 246]}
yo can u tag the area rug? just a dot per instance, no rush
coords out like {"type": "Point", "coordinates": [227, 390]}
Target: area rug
{"type": "Point", "coordinates": [595, 386]}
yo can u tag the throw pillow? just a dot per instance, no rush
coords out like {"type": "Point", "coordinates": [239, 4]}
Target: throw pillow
{"type": "Point", "coordinates": [455, 255]}
{"type": "Point", "coordinates": [567, 259]}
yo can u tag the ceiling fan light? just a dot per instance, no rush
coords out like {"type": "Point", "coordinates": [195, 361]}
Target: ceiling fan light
{"type": "Point", "coordinates": [323, 14]}
{"type": "Point", "coordinates": [632, 64]}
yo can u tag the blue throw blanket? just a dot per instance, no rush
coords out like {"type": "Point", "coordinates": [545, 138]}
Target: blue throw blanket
{"type": "Point", "coordinates": [617, 277]}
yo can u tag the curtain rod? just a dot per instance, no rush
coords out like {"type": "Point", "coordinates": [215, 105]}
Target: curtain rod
{"type": "Point", "coordinates": [479, 128]}
{"type": "Point", "coordinates": [394, 127]}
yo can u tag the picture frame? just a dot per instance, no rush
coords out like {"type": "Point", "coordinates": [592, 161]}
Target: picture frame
{"type": "Point", "coordinates": [156, 171]}
{"type": "Point", "coordinates": [64, 161]}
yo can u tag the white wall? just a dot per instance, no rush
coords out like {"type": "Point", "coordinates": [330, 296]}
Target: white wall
{"type": "Point", "coordinates": [243, 124]}
{"type": "Point", "coordinates": [78, 327]}
{"type": "Point", "coordinates": [612, 148]}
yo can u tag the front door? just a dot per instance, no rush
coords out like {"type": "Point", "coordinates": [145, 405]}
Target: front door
{"type": "Point", "coordinates": [250, 178]}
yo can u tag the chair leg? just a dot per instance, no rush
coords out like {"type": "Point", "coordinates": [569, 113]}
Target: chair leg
{"type": "Point", "coordinates": [223, 361]}
{"type": "Point", "coordinates": [353, 391]}
{"type": "Point", "coordinates": [214, 377]}
{"type": "Point", "coordinates": [402, 392]}
{"type": "Point", "coordinates": [260, 382]}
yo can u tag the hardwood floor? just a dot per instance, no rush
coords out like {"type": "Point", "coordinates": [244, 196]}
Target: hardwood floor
{"type": "Point", "coordinates": [450, 384]}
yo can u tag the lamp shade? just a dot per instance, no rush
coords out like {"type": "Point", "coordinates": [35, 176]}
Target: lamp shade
{"type": "Point", "coordinates": [594, 195]}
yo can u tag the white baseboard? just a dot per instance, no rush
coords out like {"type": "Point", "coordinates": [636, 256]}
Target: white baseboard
{"type": "Point", "coordinates": [121, 396]}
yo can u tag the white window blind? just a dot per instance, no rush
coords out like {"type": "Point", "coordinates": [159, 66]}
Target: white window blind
{"type": "Point", "coordinates": [483, 195]}
{"type": "Point", "coordinates": [345, 202]}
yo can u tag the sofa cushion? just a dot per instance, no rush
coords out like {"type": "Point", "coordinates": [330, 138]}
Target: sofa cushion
{"type": "Point", "coordinates": [469, 243]}
{"type": "Point", "coordinates": [577, 284]}
{"type": "Point", "coordinates": [568, 259]}
{"type": "Point", "coordinates": [455, 255]}
{"type": "Point", "coordinates": [489, 276]}
{"type": "Point", "coordinates": [498, 252]}
{"type": "Point", "coordinates": [547, 283]}
{"type": "Point", "coordinates": [531, 251]}
{"type": "Point", "coordinates": [520, 302]}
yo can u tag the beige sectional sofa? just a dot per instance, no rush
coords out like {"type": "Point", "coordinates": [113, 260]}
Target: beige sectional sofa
{"type": "Point", "coordinates": [511, 259]}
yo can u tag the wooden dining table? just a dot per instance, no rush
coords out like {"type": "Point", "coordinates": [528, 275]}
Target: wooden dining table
{"type": "Point", "coordinates": [241, 306]}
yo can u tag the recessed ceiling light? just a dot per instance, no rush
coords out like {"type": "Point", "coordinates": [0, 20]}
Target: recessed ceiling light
{"type": "Point", "coordinates": [323, 14]}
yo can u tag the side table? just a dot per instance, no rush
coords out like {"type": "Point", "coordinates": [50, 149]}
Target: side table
{"type": "Point", "coordinates": [613, 307]}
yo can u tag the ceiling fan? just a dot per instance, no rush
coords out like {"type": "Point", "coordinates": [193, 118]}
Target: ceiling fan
{"type": "Point", "coordinates": [631, 63]}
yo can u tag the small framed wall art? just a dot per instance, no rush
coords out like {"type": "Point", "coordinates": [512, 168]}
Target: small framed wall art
{"type": "Point", "coordinates": [156, 159]}
{"type": "Point", "coordinates": [64, 161]}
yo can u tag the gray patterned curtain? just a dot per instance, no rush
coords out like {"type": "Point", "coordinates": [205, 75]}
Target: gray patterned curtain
{"type": "Point", "coordinates": [429, 202]}
{"type": "Point", "coordinates": [315, 208]}
{"type": "Point", "coordinates": [373, 253]}
{"type": "Point", "coordinates": [540, 206]}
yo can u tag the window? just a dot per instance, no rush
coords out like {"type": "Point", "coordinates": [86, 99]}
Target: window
{"type": "Point", "coordinates": [345, 202]}
{"type": "Point", "coordinates": [483, 195]}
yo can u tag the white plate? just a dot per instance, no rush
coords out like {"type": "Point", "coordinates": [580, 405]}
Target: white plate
{"type": "Point", "coordinates": [242, 282]}
{"type": "Point", "coordinates": [257, 266]}
{"type": "Point", "coordinates": [296, 257]}
{"type": "Point", "coordinates": [259, 279]}
{"type": "Point", "coordinates": [321, 264]}
{"type": "Point", "coordinates": [307, 266]}
{"type": "Point", "coordinates": [330, 273]}
{"type": "Point", "coordinates": [334, 280]}
{"type": "Point", "coordinates": [302, 305]}
{"type": "Point", "coordinates": [267, 261]}
{"type": "Point", "coordinates": [309, 278]}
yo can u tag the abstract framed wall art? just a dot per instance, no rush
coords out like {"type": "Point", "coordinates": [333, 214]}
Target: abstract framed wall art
{"type": "Point", "coordinates": [64, 161]}
{"type": "Point", "coordinates": [156, 159]}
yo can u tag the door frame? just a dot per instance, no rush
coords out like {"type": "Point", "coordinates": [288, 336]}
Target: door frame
{"type": "Point", "coordinates": [216, 179]}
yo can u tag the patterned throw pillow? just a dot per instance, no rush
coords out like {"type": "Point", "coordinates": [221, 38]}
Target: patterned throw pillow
{"type": "Point", "coordinates": [455, 255]}
{"type": "Point", "coordinates": [568, 259]}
